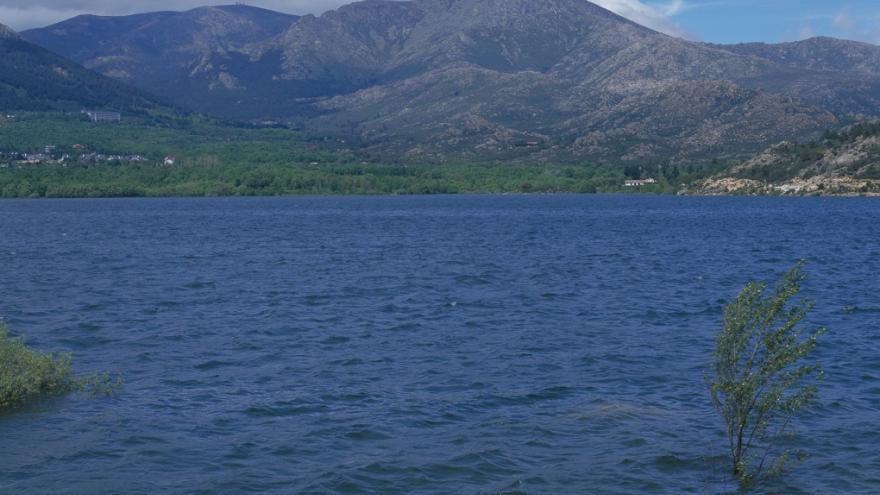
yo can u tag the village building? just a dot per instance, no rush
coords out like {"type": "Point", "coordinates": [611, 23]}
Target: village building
{"type": "Point", "coordinates": [639, 182]}
{"type": "Point", "coordinates": [101, 116]}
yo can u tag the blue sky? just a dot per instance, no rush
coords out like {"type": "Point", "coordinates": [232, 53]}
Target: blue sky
{"type": "Point", "coordinates": [732, 21]}
{"type": "Point", "coordinates": [719, 21]}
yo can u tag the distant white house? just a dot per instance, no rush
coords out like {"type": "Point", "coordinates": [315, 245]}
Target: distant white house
{"type": "Point", "coordinates": [639, 182]}
{"type": "Point", "coordinates": [101, 116]}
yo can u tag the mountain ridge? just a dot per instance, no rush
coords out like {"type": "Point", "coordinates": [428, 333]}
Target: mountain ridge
{"type": "Point", "coordinates": [35, 79]}
{"type": "Point", "coordinates": [181, 56]}
{"type": "Point", "coordinates": [7, 32]}
{"type": "Point", "coordinates": [815, 53]}
{"type": "Point", "coordinates": [480, 79]}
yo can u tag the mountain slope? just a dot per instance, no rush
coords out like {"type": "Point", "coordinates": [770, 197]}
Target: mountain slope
{"type": "Point", "coordinates": [475, 77]}
{"type": "Point", "coordinates": [200, 58]}
{"type": "Point", "coordinates": [847, 162]}
{"type": "Point", "coordinates": [839, 75]}
{"type": "Point", "coordinates": [7, 32]}
{"type": "Point", "coordinates": [32, 78]}
{"type": "Point", "coordinates": [821, 54]}
{"type": "Point", "coordinates": [482, 79]}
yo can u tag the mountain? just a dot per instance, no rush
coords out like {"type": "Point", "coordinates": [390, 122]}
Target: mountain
{"type": "Point", "coordinates": [820, 54]}
{"type": "Point", "coordinates": [847, 162]}
{"type": "Point", "coordinates": [7, 32]}
{"type": "Point", "coordinates": [839, 75]}
{"type": "Point", "coordinates": [484, 79]}
{"type": "Point", "coordinates": [200, 59]}
{"type": "Point", "coordinates": [481, 78]}
{"type": "Point", "coordinates": [33, 78]}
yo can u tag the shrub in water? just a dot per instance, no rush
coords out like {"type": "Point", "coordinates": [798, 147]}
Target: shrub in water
{"type": "Point", "coordinates": [28, 374]}
{"type": "Point", "coordinates": [761, 382]}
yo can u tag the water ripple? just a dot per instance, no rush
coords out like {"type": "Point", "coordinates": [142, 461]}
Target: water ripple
{"type": "Point", "coordinates": [430, 345]}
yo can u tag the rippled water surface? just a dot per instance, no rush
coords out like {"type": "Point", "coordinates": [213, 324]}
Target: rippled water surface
{"type": "Point", "coordinates": [422, 345]}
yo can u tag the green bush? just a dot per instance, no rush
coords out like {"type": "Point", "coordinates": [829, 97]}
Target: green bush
{"type": "Point", "coordinates": [761, 381]}
{"type": "Point", "coordinates": [26, 374]}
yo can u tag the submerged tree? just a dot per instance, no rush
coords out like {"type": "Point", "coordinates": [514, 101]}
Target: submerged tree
{"type": "Point", "coordinates": [761, 379]}
{"type": "Point", "coordinates": [27, 374]}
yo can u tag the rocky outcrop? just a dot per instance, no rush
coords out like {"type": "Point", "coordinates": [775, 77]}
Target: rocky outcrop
{"type": "Point", "coordinates": [846, 163]}
{"type": "Point", "coordinates": [814, 186]}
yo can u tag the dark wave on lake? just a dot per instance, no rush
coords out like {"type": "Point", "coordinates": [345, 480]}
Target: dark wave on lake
{"type": "Point", "coordinates": [423, 345]}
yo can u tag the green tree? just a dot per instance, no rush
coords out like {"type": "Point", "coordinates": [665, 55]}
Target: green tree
{"type": "Point", "coordinates": [762, 381]}
{"type": "Point", "coordinates": [27, 374]}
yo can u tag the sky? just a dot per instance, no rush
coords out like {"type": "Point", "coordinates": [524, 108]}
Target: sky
{"type": "Point", "coordinates": [717, 21]}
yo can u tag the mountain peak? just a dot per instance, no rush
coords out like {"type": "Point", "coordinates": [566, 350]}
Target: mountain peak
{"type": "Point", "coordinates": [7, 32]}
{"type": "Point", "coordinates": [242, 10]}
{"type": "Point", "coordinates": [819, 53]}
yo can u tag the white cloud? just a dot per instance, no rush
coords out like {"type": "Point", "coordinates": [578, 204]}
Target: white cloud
{"type": "Point", "coordinates": [648, 16]}
{"type": "Point", "coordinates": [674, 7]}
{"type": "Point", "coordinates": [843, 21]}
{"type": "Point", "coordinates": [23, 18]}
{"type": "Point", "coordinates": [860, 30]}
{"type": "Point", "coordinates": [806, 32]}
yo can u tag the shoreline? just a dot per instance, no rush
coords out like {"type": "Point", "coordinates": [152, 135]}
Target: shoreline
{"type": "Point", "coordinates": [451, 194]}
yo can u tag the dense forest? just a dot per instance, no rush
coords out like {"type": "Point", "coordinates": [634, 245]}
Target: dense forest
{"type": "Point", "coordinates": [217, 159]}
{"type": "Point", "coordinates": [35, 79]}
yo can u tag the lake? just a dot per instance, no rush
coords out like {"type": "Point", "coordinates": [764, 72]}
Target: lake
{"type": "Point", "coordinates": [423, 345]}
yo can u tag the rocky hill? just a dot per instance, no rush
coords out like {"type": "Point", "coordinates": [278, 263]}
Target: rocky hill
{"type": "Point", "coordinates": [200, 59]}
{"type": "Point", "coordinates": [843, 163]}
{"type": "Point", "coordinates": [821, 53]}
{"type": "Point", "coordinates": [839, 75]}
{"type": "Point", "coordinates": [555, 80]}
{"type": "Point", "coordinates": [35, 79]}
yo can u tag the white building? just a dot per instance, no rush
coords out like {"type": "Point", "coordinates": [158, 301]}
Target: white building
{"type": "Point", "coordinates": [101, 116]}
{"type": "Point", "coordinates": [640, 182]}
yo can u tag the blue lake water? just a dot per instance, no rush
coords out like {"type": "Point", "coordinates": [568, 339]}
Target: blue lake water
{"type": "Point", "coordinates": [423, 345]}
